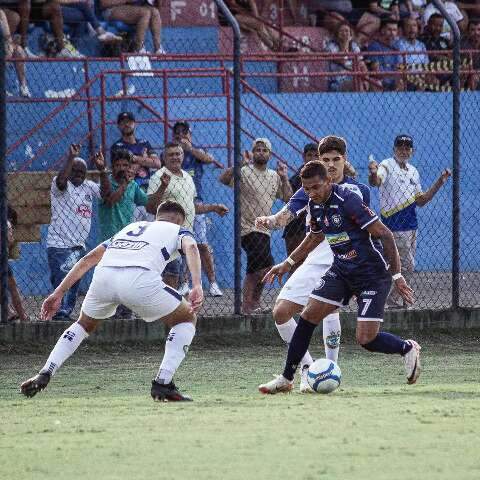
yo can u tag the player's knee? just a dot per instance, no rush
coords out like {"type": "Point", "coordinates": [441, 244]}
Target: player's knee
{"type": "Point", "coordinates": [363, 338]}
{"type": "Point", "coordinates": [88, 324]}
{"type": "Point", "coordinates": [281, 313]}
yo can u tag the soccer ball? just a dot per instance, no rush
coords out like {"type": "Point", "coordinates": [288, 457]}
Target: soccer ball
{"type": "Point", "coordinates": [324, 376]}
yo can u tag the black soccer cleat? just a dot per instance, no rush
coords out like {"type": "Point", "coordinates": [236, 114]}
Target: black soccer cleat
{"type": "Point", "coordinates": [35, 384]}
{"type": "Point", "coordinates": [167, 392]}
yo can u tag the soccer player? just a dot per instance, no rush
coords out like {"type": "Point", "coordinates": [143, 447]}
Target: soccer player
{"type": "Point", "coordinates": [365, 262]}
{"type": "Point", "coordinates": [295, 293]}
{"type": "Point", "coordinates": [129, 272]}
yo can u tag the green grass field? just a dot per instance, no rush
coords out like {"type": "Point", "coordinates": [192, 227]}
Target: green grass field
{"type": "Point", "coordinates": [97, 421]}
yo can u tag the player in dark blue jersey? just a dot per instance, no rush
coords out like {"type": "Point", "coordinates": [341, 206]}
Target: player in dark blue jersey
{"type": "Point", "coordinates": [332, 152]}
{"type": "Point", "coordinates": [365, 262]}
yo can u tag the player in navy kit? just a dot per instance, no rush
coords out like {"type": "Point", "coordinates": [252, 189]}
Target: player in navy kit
{"type": "Point", "coordinates": [365, 262]}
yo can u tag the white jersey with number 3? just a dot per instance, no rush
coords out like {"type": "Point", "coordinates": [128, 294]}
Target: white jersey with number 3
{"type": "Point", "coordinates": [149, 245]}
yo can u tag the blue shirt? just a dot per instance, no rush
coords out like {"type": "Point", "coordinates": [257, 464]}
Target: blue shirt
{"type": "Point", "coordinates": [143, 174]}
{"type": "Point", "coordinates": [343, 218]}
{"type": "Point", "coordinates": [418, 49]}
{"type": "Point", "coordinates": [387, 63]}
{"type": "Point", "coordinates": [299, 200]}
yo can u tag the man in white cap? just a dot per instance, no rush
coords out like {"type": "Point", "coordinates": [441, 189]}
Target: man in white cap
{"type": "Point", "coordinates": [72, 198]}
{"type": "Point", "coordinates": [260, 187]}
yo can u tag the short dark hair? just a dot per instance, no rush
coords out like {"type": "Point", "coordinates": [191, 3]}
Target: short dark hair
{"type": "Point", "coordinates": [170, 207]}
{"type": "Point", "coordinates": [313, 169]}
{"type": "Point", "coordinates": [121, 154]}
{"type": "Point", "coordinates": [184, 124]}
{"type": "Point", "coordinates": [171, 145]}
{"type": "Point", "coordinates": [332, 142]}
{"type": "Point", "coordinates": [433, 16]}
{"type": "Point", "coordinates": [386, 22]}
{"type": "Point", "coordinates": [310, 147]}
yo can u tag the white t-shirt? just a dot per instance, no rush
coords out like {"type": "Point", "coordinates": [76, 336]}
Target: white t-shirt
{"type": "Point", "coordinates": [71, 214]}
{"type": "Point", "coordinates": [149, 245]}
{"type": "Point", "coordinates": [398, 193]}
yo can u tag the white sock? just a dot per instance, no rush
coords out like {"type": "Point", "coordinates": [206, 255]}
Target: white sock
{"type": "Point", "coordinates": [286, 331]}
{"type": "Point", "coordinates": [178, 340]}
{"type": "Point", "coordinates": [66, 345]}
{"type": "Point", "coordinates": [331, 335]}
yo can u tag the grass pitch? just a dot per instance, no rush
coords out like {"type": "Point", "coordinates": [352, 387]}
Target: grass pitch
{"type": "Point", "coordinates": [96, 419]}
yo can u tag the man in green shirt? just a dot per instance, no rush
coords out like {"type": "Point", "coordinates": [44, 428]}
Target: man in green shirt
{"type": "Point", "coordinates": [120, 195]}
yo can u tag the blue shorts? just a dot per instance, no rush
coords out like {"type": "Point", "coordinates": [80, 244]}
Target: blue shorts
{"type": "Point", "coordinates": [173, 267]}
{"type": "Point", "coordinates": [200, 229]}
{"type": "Point", "coordinates": [336, 288]}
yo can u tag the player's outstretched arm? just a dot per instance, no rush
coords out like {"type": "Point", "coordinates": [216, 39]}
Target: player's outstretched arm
{"type": "Point", "coordinates": [53, 301]}
{"type": "Point", "coordinates": [189, 247]}
{"type": "Point", "coordinates": [279, 220]}
{"type": "Point", "coordinates": [309, 243]}
{"type": "Point", "coordinates": [423, 198]}
{"type": "Point", "coordinates": [378, 230]}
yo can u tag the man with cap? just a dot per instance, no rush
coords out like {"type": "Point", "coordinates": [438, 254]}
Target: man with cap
{"type": "Point", "coordinates": [144, 157]}
{"type": "Point", "coordinates": [72, 199]}
{"type": "Point", "coordinates": [259, 187]}
{"type": "Point", "coordinates": [400, 194]}
{"type": "Point", "coordinates": [193, 161]}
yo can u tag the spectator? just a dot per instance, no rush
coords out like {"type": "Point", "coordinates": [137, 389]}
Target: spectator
{"type": "Point", "coordinates": [410, 43]}
{"type": "Point", "coordinates": [144, 15]}
{"type": "Point", "coordinates": [144, 158]}
{"type": "Point", "coordinates": [36, 11]}
{"type": "Point", "coordinates": [472, 8]}
{"type": "Point", "coordinates": [433, 39]}
{"type": "Point", "coordinates": [387, 62]}
{"type": "Point", "coordinates": [472, 42]}
{"type": "Point", "coordinates": [294, 232]}
{"type": "Point", "coordinates": [453, 10]}
{"type": "Point", "coordinates": [12, 50]}
{"type": "Point", "coordinates": [343, 43]}
{"type": "Point", "coordinates": [79, 14]}
{"type": "Point", "coordinates": [171, 182]}
{"type": "Point", "coordinates": [120, 194]}
{"type": "Point", "coordinates": [248, 16]}
{"type": "Point", "coordinates": [400, 194]}
{"type": "Point", "coordinates": [259, 187]}
{"type": "Point", "coordinates": [72, 198]}
{"type": "Point", "coordinates": [193, 161]}
{"type": "Point", "coordinates": [15, 309]}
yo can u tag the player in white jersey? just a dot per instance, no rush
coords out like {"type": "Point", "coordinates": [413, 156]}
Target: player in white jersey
{"type": "Point", "coordinates": [128, 271]}
{"type": "Point", "coordinates": [296, 291]}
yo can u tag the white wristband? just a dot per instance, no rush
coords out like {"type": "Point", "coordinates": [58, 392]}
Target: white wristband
{"type": "Point", "coordinates": [290, 261]}
{"type": "Point", "coordinates": [397, 276]}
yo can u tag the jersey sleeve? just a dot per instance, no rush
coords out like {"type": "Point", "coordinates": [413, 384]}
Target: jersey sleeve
{"type": "Point", "coordinates": [418, 183]}
{"type": "Point", "coordinates": [358, 211]}
{"type": "Point", "coordinates": [298, 202]}
{"type": "Point", "coordinates": [365, 194]}
{"type": "Point", "coordinates": [181, 235]}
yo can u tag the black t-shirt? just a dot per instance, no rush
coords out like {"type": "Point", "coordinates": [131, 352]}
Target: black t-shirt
{"type": "Point", "coordinates": [297, 225]}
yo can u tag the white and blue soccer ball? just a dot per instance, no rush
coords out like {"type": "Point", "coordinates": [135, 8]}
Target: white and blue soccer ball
{"type": "Point", "coordinates": [324, 376]}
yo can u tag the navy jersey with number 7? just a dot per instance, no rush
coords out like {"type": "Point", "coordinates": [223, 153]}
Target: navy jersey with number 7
{"type": "Point", "coordinates": [343, 218]}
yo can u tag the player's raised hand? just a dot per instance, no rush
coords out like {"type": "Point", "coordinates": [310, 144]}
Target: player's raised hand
{"type": "Point", "coordinates": [247, 157]}
{"type": "Point", "coordinates": [282, 169]}
{"type": "Point", "coordinates": [265, 222]}
{"type": "Point", "coordinates": [50, 306]}
{"type": "Point", "coordinates": [195, 297]}
{"type": "Point", "coordinates": [372, 166]}
{"type": "Point", "coordinates": [277, 272]}
{"type": "Point", "coordinates": [404, 290]}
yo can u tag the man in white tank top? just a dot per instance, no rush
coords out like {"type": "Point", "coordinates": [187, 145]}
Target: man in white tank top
{"type": "Point", "coordinates": [129, 272]}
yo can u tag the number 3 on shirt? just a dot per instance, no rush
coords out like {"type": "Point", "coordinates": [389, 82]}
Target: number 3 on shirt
{"type": "Point", "coordinates": [139, 231]}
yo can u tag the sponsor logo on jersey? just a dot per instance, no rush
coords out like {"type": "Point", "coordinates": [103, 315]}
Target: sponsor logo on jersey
{"type": "Point", "coordinates": [369, 292]}
{"type": "Point", "coordinates": [347, 256]}
{"type": "Point", "coordinates": [122, 244]}
{"type": "Point", "coordinates": [337, 238]}
{"type": "Point", "coordinates": [320, 284]}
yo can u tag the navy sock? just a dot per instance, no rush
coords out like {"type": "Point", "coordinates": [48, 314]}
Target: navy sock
{"type": "Point", "coordinates": [386, 342]}
{"type": "Point", "coordinates": [298, 346]}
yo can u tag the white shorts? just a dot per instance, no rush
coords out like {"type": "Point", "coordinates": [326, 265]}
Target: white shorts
{"type": "Point", "coordinates": [139, 289]}
{"type": "Point", "coordinates": [298, 287]}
